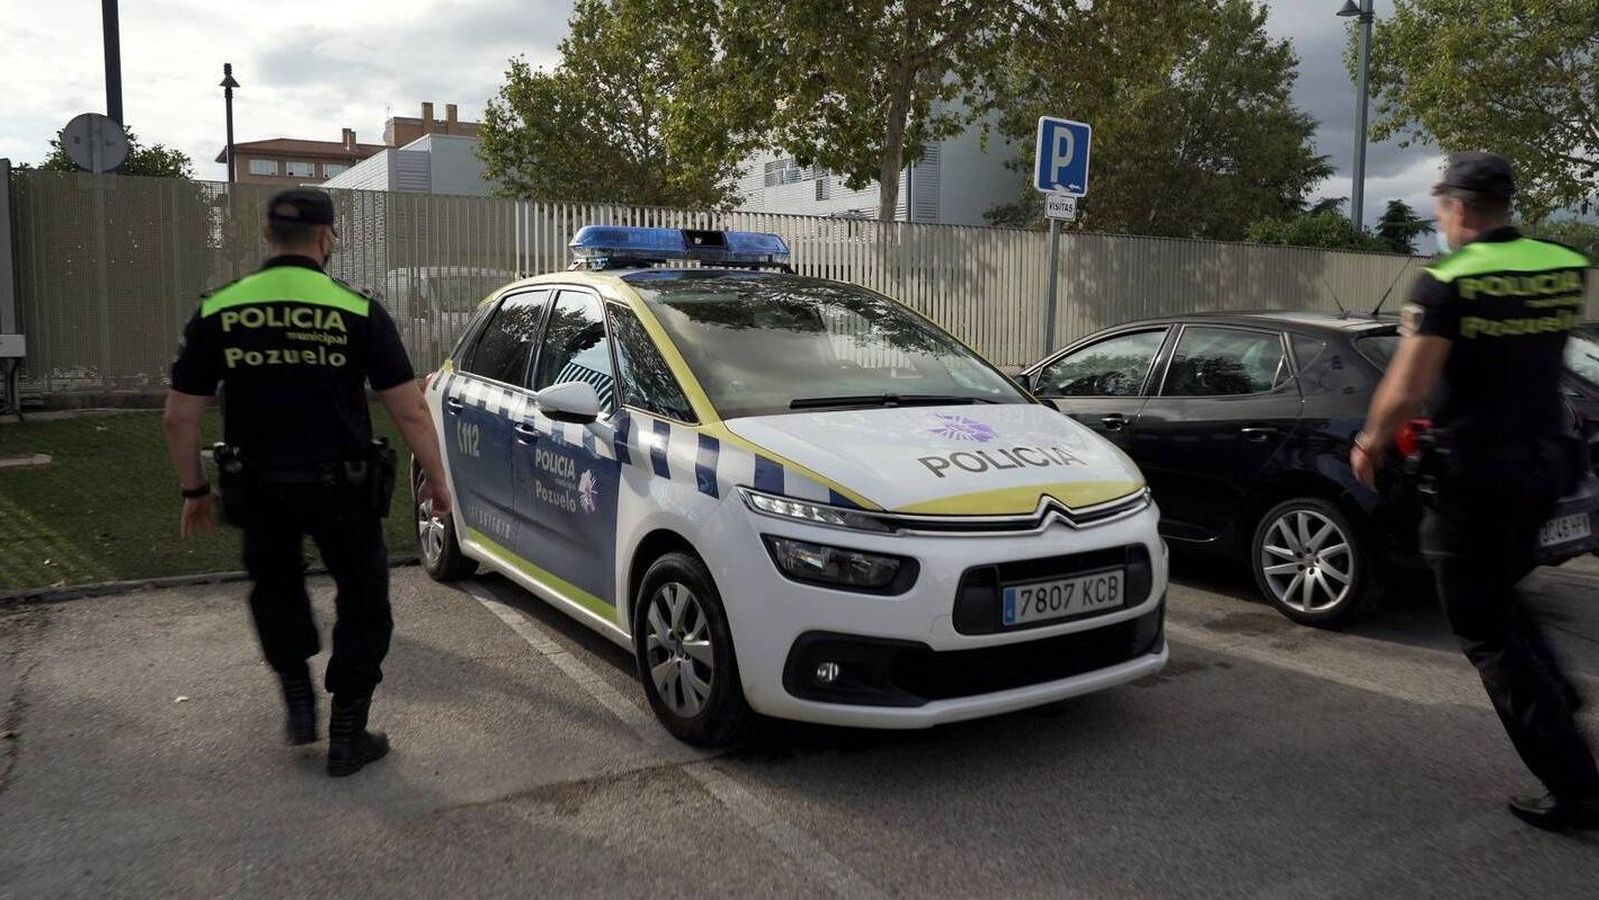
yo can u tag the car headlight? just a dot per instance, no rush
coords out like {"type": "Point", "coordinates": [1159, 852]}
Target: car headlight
{"type": "Point", "coordinates": [854, 570]}
{"type": "Point", "coordinates": [814, 513]}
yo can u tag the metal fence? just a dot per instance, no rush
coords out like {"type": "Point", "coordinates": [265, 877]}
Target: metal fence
{"type": "Point", "coordinates": [109, 268]}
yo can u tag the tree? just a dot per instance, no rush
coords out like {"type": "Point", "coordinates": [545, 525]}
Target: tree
{"type": "Point", "coordinates": [1519, 78]}
{"type": "Point", "coordinates": [1572, 232]}
{"type": "Point", "coordinates": [1324, 230]}
{"type": "Point", "coordinates": [862, 87]}
{"type": "Point", "coordinates": [624, 117]}
{"type": "Point", "coordinates": [1333, 205]}
{"type": "Point", "coordinates": [1399, 227]}
{"type": "Point", "coordinates": [155, 161]}
{"type": "Point", "coordinates": [1195, 132]}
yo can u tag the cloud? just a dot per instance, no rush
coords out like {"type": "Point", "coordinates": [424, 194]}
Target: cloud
{"type": "Point", "coordinates": [305, 69]}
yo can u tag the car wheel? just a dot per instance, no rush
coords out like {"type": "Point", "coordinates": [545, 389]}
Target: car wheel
{"type": "Point", "coordinates": [436, 544]}
{"type": "Point", "coordinates": [685, 654]}
{"type": "Point", "coordinates": [1312, 563]}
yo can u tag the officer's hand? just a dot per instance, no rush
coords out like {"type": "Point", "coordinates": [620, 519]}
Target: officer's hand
{"type": "Point", "coordinates": [197, 518]}
{"type": "Point", "coordinates": [439, 493]}
{"type": "Point", "coordinates": [1365, 466]}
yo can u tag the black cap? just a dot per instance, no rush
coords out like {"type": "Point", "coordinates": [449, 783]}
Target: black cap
{"type": "Point", "coordinates": [1483, 173]}
{"type": "Point", "coordinates": [305, 205]}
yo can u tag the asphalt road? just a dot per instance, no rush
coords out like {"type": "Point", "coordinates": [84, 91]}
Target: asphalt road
{"type": "Point", "coordinates": [143, 758]}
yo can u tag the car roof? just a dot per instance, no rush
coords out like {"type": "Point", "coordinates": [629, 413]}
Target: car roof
{"type": "Point", "coordinates": [1299, 320]}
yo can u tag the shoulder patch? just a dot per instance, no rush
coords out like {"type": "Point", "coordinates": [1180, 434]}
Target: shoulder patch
{"type": "Point", "coordinates": [366, 292]}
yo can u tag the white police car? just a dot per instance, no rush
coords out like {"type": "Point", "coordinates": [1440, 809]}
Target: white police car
{"type": "Point", "coordinates": [787, 495]}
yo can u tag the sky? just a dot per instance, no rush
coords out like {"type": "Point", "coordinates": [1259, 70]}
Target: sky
{"type": "Point", "coordinates": [308, 69]}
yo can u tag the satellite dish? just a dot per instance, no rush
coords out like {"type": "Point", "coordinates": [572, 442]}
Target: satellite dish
{"type": "Point", "coordinates": [95, 142]}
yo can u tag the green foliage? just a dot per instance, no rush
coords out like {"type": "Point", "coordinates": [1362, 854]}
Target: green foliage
{"type": "Point", "coordinates": [626, 117]}
{"type": "Point", "coordinates": [862, 87]}
{"type": "Point", "coordinates": [1399, 226]}
{"type": "Point", "coordinates": [1573, 233]}
{"type": "Point", "coordinates": [1195, 132]}
{"type": "Point", "coordinates": [1517, 77]}
{"type": "Point", "coordinates": [155, 161]}
{"type": "Point", "coordinates": [1324, 230]}
{"type": "Point", "coordinates": [1334, 205]}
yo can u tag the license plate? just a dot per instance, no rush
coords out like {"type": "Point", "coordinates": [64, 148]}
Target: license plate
{"type": "Point", "coordinates": [1564, 530]}
{"type": "Point", "coordinates": [1061, 598]}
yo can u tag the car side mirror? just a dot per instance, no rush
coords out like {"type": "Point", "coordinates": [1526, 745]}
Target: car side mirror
{"type": "Point", "coordinates": [571, 401]}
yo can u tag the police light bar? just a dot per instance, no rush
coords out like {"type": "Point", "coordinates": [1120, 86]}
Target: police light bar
{"type": "Point", "coordinates": [614, 246]}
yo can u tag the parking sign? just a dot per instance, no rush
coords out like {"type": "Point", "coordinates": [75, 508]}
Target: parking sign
{"type": "Point", "coordinates": [1062, 156]}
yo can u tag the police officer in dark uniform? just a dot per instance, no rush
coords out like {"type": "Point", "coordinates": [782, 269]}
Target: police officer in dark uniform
{"type": "Point", "coordinates": [1488, 324]}
{"type": "Point", "coordinates": [293, 349]}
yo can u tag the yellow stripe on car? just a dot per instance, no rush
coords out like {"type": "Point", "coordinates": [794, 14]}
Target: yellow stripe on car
{"type": "Point", "coordinates": [1023, 500]}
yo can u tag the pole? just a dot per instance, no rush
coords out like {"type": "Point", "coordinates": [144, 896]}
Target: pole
{"type": "Point", "coordinates": [1054, 273]}
{"type": "Point", "coordinates": [1357, 205]}
{"type": "Point", "coordinates": [227, 100]}
{"type": "Point", "coordinates": [113, 60]}
{"type": "Point", "coordinates": [101, 250]}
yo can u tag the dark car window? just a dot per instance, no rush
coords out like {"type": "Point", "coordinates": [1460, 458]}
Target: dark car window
{"type": "Point", "coordinates": [576, 348]}
{"type": "Point", "coordinates": [1216, 362]}
{"type": "Point", "coordinates": [501, 352]}
{"type": "Point", "coordinates": [1378, 348]}
{"type": "Point", "coordinates": [1115, 367]}
{"type": "Point", "coordinates": [647, 380]}
{"type": "Point", "coordinates": [1582, 354]}
{"type": "Point", "coordinates": [1307, 350]}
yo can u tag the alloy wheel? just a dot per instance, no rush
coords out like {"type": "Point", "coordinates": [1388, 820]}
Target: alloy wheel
{"type": "Point", "coordinates": [1307, 561]}
{"type": "Point", "coordinates": [430, 531]}
{"type": "Point", "coordinates": [679, 654]}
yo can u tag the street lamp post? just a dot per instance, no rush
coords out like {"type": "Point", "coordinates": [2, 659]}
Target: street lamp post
{"type": "Point", "coordinates": [1363, 12]}
{"type": "Point", "coordinates": [113, 59]}
{"type": "Point", "coordinates": [228, 84]}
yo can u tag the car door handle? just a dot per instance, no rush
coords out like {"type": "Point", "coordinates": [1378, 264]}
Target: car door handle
{"type": "Point", "coordinates": [1113, 422]}
{"type": "Point", "coordinates": [526, 434]}
{"type": "Point", "coordinates": [455, 404]}
{"type": "Point", "coordinates": [1257, 432]}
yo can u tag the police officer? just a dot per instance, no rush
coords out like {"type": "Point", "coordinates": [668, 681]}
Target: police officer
{"type": "Point", "coordinates": [1488, 324]}
{"type": "Point", "coordinates": [293, 349]}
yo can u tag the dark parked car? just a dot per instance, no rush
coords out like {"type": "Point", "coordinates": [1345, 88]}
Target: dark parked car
{"type": "Point", "coordinates": [1242, 424]}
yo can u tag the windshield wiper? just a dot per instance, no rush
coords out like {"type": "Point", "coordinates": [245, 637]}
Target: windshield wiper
{"type": "Point", "coordinates": [885, 400]}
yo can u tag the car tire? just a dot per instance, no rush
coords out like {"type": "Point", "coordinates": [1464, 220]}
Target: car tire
{"type": "Point", "coordinates": [436, 544]}
{"type": "Point", "coordinates": [1312, 563]}
{"type": "Point", "coordinates": [684, 649]}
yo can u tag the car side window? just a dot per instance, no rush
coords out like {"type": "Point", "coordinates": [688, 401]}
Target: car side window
{"type": "Point", "coordinates": [502, 349]}
{"type": "Point", "coordinates": [1307, 350]}
{"type": "Point", "coordinates": [1115, 367]}
{"type": "Point", "coordinates": [576, 347]}
{"type": "Point", "coordinates": [1220, 362]}
{"type": "Point", "coordinates": [647, 380]}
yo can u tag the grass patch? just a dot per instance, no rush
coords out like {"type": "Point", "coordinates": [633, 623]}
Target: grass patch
{"type": "Point", "coordinates": [107, 508]}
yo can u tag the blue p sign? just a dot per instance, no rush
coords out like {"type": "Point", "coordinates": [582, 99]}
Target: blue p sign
{"type": "Point", "coordinates": [1062, 156]}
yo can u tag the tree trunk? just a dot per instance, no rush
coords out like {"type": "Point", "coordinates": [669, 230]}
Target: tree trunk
{"type": "Point", "coordinates": [894, 145]}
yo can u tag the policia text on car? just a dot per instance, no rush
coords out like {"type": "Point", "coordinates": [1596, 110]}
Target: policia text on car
{"type": "Point", "coordinates": [1488, 324]}
{"type": "Point", "coordinates": [293, 350]}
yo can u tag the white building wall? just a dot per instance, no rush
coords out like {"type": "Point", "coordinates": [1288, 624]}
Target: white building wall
{"type": "Point", "coordinates": [431, 164]}
{"type": "Point", "coordinates": [375, 173]}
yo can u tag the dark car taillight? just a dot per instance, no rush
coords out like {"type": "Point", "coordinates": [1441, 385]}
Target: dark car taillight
{"type": "Point", "coordinates": [1408, 440]}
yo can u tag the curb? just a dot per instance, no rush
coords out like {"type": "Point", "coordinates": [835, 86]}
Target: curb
{"type": "Point", "coordinates": [112, 588]}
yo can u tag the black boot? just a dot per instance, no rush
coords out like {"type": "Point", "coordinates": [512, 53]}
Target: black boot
{"type": "Point", "coordinates": [299, 699]}
{"type": "Point", "coordinates": [350, 745]}
{"type": "Point", "coordinates": [1555, 814]}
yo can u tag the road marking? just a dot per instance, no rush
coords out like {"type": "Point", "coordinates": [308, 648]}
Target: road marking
{"type": "Point", "coordinates": [786, 837]}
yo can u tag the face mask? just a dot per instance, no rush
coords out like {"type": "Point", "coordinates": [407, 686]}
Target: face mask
{"type": "Point", "coordinates": [1443, 243]}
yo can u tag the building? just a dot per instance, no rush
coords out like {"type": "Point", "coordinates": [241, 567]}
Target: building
{"type": "Point", "coordinates": [294, 161]}
{"type": "Point", "coordinates": [955, 183]}
{"type": "Point", "coordinates": [432, 164]}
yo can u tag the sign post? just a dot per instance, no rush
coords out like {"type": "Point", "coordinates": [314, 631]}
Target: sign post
{"type": "Point", "coordinates": [1061, 174]}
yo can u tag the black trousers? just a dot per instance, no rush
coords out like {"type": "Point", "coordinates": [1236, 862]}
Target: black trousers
{"type": "Point", "coordinates": [1478, 540]}
{"type": "Point", "coordinates": [275, 520]}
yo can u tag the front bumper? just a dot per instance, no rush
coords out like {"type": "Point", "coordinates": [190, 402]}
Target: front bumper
{"type": "Point", "coordinates": [920, 659]}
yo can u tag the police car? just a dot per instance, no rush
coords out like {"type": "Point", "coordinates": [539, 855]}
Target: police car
{"type": "Point", "coordinates": [786, 495]}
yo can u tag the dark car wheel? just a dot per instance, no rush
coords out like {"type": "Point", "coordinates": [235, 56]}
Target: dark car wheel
{"type": "Point", "coordinates": [1312, 563]}
{"type": "Point", "coordinates": [435, 538]}
{"type": "Point", "coordinates": [685, 654]}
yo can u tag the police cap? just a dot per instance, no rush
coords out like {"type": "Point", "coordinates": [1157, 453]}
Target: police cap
{"type": "Point", "coordinates": [307, 206]}
{"type": "Point", "coordinates": [1478, 172]}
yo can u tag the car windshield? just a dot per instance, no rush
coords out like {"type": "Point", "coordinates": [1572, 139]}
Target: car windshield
{"type": "Point", "coordinates": [767, 344]}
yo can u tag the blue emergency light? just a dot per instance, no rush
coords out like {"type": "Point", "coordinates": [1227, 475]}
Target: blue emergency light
{"type": "Point", "coordinates": [618, 246]}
